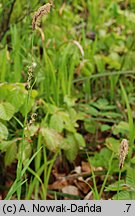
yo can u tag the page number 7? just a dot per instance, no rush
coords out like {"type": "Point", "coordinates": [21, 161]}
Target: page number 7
{"type": "Point", "coordinates": [128, 207]}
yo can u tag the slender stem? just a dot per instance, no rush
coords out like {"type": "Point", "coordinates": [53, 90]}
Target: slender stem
{"type": "Point", "coordinates": [20, 160]}
{"type": "Point", "coordinates": [106, 177]}
{"type": "Point", "coordinates": [38, 164]}
{"type": "Point", "coordinates": [118, 184]}
{"type": "Point", "coordinates": [94, 76]}
{"type": "Point", "coordinates": [95, 186]}
{"type": "Point", "coordinates": [48, 172]}
{"type": "Point", "coordinates": [95, 191]}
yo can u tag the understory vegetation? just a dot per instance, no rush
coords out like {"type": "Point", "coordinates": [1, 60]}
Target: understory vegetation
{"type": "Point", "coordinates": [67, 99]}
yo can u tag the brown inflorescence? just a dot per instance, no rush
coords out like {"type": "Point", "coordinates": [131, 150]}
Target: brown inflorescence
{"type": "Point", "coordinates": [123, 152]}
{"type": "Point", "coordinates": [40, 13]}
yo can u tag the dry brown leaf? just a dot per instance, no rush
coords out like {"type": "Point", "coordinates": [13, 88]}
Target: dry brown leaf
{"type": "Point", "coordinates": [82, 185]}
{"type": "Point", "coordinates": [77, 170]}
{"type": "Point", "coordinates": [86, 167]}
{"type": "Point", "coordinates": [89, 196]}
{"type": "Point", "coordinates": [57, 185]}
{"type": "Point", "coordinates": [70, 189]}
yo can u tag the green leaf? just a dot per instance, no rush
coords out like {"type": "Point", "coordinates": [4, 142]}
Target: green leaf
{"type": "Point", "coordinates": [11, 154]}
{"type": "Point", "coordinates": [130, 16]}
{"type": "Point", "coordinates": [28, 103]}
{"type": "Point", "coordinates": [70, 102]}
{"type": "Point", "coordinates": [90, 110]}
{"type": "Point", "coordinates": [54, 141]}
{"type": "Point", "coordinates": [130, 178]}
{"type": "Point", "coordinates": [3, 131]}
{"type": "Point", "coordinates": [50, 108]}
{"type": "Point", "coordinates": [80, 140]}
{"type": "Point", "coordinates": [26, 151]}
{"type": "Point", "coordinates": [56, 122]}
{"type": "Point", "coordinates": [133, 160]}
{"type": "Point", "coordinates": [112, 61]}
{"type": "Point", "coordinates": [125, 195]}
{"type": "Point", "coordinates": [70, 121]}
{"type": "Point", "coordinates": [15, 94]}
{"type": "Point", "coordinates": [7, 111]}
{"type": "Point", "coordinates": [110, 114]}
{"type": "Point", "coordinates": [4, 145]}
{"type": "Point", "coordinates": [105, 127]}
{"type": "Point", "coordinates": [101, 159]}
{"type": "Point", "coordinates": [99, 63]}
{"type": "Point", "coordinates": [16, 98]}
{"type": "Point", "coordinates": [113, 144]}
{"type": "Point", "coordinates": [101, 103]}
{"type": "Point", "coordinates": [114, 186]}
{"type": "Point", "coordinates": [90, 126]}
{"type": "Point", "coordinates": [3, 89]}
{"type": "Point", "coordinates": [31, 130]}
{"type": "Point", "coordinates": [72, 152]}
{"type": "Point", "coordinates": [122, 127]}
